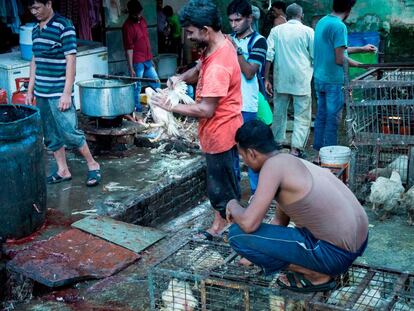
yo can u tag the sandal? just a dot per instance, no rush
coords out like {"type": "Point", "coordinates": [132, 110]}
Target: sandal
{"type": "Point", "coordinates": [55, 178]}
{"type": "Point", "coordinates": [305, 285]}
{"type": "Point", "coordinates": [203, 235]}
{"type": "Point", "coordinates": [94, 177]}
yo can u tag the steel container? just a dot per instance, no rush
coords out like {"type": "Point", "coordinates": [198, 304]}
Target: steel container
{"type": "Point", "coordinates": [106, 98]}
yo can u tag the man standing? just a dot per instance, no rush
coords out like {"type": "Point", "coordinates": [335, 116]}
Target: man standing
{"type": "Point", "coordinates": [331, 226]}
{"type": "Point", "coordinates": [331, 46]}
{"type": "Point", "coordinates": [279, 12]}
{"type": "Point", "coordinates": [291, 51]}
{"type": "Point", "coordinates": [251, 55]}
{"type": "Point", "coordinates": [218, 105]}
{"type": "Point", "coordinates": [137, 49]}
{"type": "Point", "coordinates": [52, 74]}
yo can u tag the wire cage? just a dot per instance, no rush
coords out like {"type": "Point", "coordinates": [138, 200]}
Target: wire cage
{"type": "Point", "coordinates": [380, 106]}
{"type": "Point", "coordinates": [368, 162]}
{"type": "Point", "coordinates": [203, 275]}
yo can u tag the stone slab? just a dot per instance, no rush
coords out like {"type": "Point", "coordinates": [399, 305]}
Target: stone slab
{"type": "Point", "coordinates": [133, 237]}
{"type": "Point", "coordinates": [69, 257]}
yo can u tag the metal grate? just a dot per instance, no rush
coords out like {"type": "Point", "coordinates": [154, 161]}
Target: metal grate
{"type": "Point", "coordinates": [203, 275]}
{"type": "Point", "coordinates": [380, 106]}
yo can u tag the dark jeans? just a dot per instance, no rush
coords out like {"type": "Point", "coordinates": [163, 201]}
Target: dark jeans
{"type": "Point", "coordinates": [273, 248]}
{"type": "Point", "coordinates": [223, 178]}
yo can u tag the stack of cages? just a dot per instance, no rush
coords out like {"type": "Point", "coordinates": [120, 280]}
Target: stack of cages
{"type": "Point", "coordinates": [380, 126]}
{"type": "Point", "coordinates": [203, 275]}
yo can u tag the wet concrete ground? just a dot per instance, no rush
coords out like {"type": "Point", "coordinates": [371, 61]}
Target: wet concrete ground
{"type": "Point", "coordinates": [391, 242]}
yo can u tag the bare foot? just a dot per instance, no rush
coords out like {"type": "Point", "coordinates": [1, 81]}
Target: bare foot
{"type": "Point", "coordinates": [218, 226]}
{"type": "Point", "coordinates": [245, 262]}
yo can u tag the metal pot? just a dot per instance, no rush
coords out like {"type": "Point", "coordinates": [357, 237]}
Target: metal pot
{"type": "Point", "coordinates": [106, 98]}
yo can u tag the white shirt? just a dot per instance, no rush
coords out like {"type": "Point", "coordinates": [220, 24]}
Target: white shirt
{"type": "Point", "coordinates": [290, 48]}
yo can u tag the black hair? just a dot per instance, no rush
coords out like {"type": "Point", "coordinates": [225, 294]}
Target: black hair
{"type": "Point", "coordinates": [31, 2]}
{"type": "Point", "coordinates": [256, 135]}
{"type": "Point", "coordinates": [200, 13]}
{"type": "Point", "coordinates": [342, 6]}
{"type": "Point", "coordinates": [279, 5]}
{"type": "Point", "coordinates": [242, 7]}
{"type": "Point", "coordinates": [168, 11]}
{"type": "Point", "coordinates": [134, 7]}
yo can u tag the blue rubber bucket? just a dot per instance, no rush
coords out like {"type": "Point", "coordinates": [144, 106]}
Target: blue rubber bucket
{"type": "Point", "coordinates": [25, 40]}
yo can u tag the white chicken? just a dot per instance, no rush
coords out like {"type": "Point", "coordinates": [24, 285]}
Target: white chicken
{"type": "Point", "coordinates": [370, 298]}
{"type": "Point", "coordinates": [386, 193]}
{"type": "Point", "coordinates": [400, 164]}
{"type": "Point", "coordinates": [407, 202]}
{"type": "Point", "coordinates": [178, 297]}
{"type": "Point", "coordinates": [175, 93]}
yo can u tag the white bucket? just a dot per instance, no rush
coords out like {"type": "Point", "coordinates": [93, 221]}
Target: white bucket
{"type": "Point", "coordinates": [335, 155]}
{"type": "Point", "coordinates": [167, 65]}
{"type": "Point", "coordinates": [25, 40]}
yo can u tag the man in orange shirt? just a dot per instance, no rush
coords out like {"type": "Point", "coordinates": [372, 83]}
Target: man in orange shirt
{"type": "Point", "coordinates": [218, 108]}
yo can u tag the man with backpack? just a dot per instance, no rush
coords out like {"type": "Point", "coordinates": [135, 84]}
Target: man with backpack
{"type": "Point", "coordinates": [251, 50]}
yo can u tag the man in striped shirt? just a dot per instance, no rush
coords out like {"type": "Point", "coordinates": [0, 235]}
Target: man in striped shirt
{"type": "Point", "coordinates": [52, 74]}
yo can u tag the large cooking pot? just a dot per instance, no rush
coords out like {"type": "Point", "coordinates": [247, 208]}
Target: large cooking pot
{"type": "Point", "coordinates": [106, 98]}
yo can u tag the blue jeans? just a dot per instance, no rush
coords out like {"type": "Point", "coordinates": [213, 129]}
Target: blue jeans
{"type": "Point", "coordinates": [60, 128]}
{"type": "Point", "coordinates": [144, 70]}
{"type": "Point", "coordinates": [328, 116]}
{"type": "Point", "coordinates": [253, 177]}
{"type": "Point", "coordinates": [273, 248]}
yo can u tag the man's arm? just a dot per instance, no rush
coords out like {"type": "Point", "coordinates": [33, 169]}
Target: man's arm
{"type": "Point", "coordinates": [204, 109]}
{"type": "Point", "coordinates": [257, 57]}
{"type": "Point", "coordinates": [191, 75]}
{"type": "Point", "coordinates": [30, 88]}
{"type": "Point", "coordinates": [340, 57]}
{"type": "Point", "coordinates": [130, 59]}
{"type": "Point", "coordinates": [250, 218]}
{"type": "Point", "coordinates": [66, 98]}
{"type": "Point", "coordinates": [268, 84]}
{"type": "Point", "coordinates": [369, 48]}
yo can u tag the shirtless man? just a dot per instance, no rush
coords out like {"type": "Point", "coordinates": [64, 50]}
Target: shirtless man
{"type": "Point", "coordinates": [331, 226]}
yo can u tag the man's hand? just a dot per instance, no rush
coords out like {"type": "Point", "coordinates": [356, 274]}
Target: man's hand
{"type": "Point", "coordinates": [229, 209]}
{"type": "Point", "coordinates": [269, 88]}
{"type": "Point", "coordinates": [64, 102]}
{"type": "Point", "coordinates": [132, 72]}
{"type": "Point", "coordinates": [172, 81]}
{"type": "Point", "coordinates": [29, 98]}
{"type": "Point", "coordinates": [369, 48]}
{"type": "Point", "coordinates": [160, 99]}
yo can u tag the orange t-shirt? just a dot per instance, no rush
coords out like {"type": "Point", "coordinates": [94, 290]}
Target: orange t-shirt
{"type": "Point", "coordinates": [220, 76]}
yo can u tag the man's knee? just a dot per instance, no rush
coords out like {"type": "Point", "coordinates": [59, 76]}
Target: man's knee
{"type": "Point", "coordinates": [234, 231]}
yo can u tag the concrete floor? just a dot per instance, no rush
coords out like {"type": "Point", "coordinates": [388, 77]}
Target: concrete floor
{"type": "Point", "coordinates": [391, 242]}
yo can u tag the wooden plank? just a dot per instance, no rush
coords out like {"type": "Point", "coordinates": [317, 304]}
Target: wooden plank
{"type": "Point", "coordinates": [133, 237]}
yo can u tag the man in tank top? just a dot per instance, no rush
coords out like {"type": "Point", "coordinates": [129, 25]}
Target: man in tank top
{"type": "Point", "coordinates": [330, 225]}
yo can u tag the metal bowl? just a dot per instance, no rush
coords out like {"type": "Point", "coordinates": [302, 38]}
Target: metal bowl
{"type": "Point", "coordinates": [106, 98]}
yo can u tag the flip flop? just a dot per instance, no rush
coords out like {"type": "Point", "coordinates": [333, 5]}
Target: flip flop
{"type": "Point", "coordinates": [55, 178]}
{"type": "Point", "coordinates": [306, 285]}
{"type": "Point", "coordinates": [95, 176]}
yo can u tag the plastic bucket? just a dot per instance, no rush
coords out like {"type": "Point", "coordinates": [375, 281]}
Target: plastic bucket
{"type": "Point", "coordinates": [25, 40]}
{"type": "Point", "coordinates": [167, 65]}
{"type": "Point", "coordinates": [338, 156]}
{"type": "Point", "coordinates": [363, 38]}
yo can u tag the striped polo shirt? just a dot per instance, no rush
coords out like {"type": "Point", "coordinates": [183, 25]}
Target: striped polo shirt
{"type": "Point", "coordinates": [51, 44]}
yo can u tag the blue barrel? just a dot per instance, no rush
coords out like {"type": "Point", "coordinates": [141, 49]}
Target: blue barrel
{"type": "Point", "coordinates": [364, 38]}
{"type": "Point", "coordinates": [22, 167]}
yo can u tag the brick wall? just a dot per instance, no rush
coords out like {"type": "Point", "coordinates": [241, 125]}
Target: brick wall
{"type": "Point", "coordinates": [171, 197]}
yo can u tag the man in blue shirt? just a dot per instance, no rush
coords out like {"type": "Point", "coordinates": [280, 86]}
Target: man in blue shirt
{"type": "Point", "coordinates": [331, 48]}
